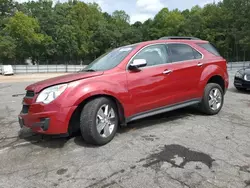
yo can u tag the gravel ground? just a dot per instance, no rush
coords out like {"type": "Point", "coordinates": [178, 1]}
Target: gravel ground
{"type": "Point", "coordinates": [183, 148]}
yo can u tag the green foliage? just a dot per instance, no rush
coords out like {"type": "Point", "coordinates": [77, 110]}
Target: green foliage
{"type": "Point", "coordinates": [168, 23]}
{"type": "Point", "coordinates": [75, 31]}
{"type": "Point", "coordinates": [7, 9]}
{"type": "Point", "coordinates": [24, 29]}
{"type": "Point", "coordinates": [121, 16]}
{"type": "Point", "coordinates": [7, 48]}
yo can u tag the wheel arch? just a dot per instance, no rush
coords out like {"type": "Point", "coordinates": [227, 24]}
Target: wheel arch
{"type": "Point", "coordinates": [217, 79]}
{"type": "Point", "coordinates": [213, 74]}
{"type": "Point", "coordinates": [74, 122]}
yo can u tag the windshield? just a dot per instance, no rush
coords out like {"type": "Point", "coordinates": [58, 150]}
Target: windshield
{"type": "Point", "coordinates": [110, 59]}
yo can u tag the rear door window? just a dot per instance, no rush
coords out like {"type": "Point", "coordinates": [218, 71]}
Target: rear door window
{"type": "Point", "coordinates": [183, 52]}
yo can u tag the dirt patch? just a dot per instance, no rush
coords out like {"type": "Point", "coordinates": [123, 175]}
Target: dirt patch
{"type": "Point", "coordinates": [247, 183]}
{"type": "Point", "coordinates": [61, 171]}
{"type": "Point", "coordinates": [150, 138]}
{"type": "Point", "coordinates": [178, 156]}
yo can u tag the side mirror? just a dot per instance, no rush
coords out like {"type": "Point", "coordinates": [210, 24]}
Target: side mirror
{"type": "Point", "coordinates": [137, 63]}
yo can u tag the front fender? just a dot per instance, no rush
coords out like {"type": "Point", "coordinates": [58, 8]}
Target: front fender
{"type": "Point", "coordinates": [82, 90]}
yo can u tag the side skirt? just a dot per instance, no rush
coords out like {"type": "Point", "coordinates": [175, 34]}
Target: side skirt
{"type": "Point", "coordinates": [162, 110]}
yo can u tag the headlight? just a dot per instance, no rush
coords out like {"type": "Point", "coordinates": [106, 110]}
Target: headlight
{"type": "Point", "coordinates": [239, 75]}
{"type": "Point", "coordinates": [245, 77]}
{"type": "Point", "coordinates": [51, 93]}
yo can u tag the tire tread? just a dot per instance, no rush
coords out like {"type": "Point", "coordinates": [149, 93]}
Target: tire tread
{"type": "Point", "coordinates": [87, 118]}
{"type": "Point", "coordinates": [204, 107]}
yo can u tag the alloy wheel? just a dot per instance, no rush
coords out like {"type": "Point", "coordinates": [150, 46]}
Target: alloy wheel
{"type": "Point", "coordinates": [105, 120]}
{"type": "Point", "coordinates": [215, 99]}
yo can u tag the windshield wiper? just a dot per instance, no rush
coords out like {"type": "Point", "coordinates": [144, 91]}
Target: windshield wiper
{"type": "Point", "coordinates": [88, 70]}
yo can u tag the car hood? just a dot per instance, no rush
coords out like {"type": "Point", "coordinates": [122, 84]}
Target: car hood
{"type": "Point", "coordinates": [38, 86]}
{"type": "Point", "coordinates": [247, 71]}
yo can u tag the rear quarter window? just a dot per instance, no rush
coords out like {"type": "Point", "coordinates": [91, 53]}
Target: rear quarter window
{"type": "Point", "coordinates": [210, 48]}
{"type": "Point", "coordinates": [182, 52]}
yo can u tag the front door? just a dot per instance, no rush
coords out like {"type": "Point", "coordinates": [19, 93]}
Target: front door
{"type": "Point", "coordinates": [149, 87]}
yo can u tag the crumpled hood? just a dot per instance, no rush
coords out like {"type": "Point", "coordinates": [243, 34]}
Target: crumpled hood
{"type": "Point", "coordinates": [38, 86]}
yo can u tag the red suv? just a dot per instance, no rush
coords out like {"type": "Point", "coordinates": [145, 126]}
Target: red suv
{"type": "Point", "coordinates": [127, 84]}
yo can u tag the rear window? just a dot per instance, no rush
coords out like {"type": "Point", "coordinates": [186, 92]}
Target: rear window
{"type": "Point", "coordinates": [209, 47]}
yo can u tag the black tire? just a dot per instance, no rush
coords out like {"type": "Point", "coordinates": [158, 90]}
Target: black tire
{"type": "Point", "coordinates": [204, 105]}
{"type": "Point", "coordinates": [88, 125]}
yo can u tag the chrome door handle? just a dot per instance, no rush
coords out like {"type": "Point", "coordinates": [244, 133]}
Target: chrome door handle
{"type": "Point", "coordinates": [199, 64]}
{"type": "Point", "coordinates": [167, 71]}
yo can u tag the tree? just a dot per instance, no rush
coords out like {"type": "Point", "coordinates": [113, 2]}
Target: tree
{"type": "Point", "coordinates": [215, 27]}
{"type": "Point", "coordinates": [7, 49]}
{"type": "Point", "coordinates": [26, 32]}
{"type": "Point", "coordinates": [193, 24]}
{"type": "Point", "coordinates": [43, 11]}
{"type": "Point", "coordinates": [7, 9]}
{"type": "Point", "coordinates": [238, 27]}
{"type": "Point", "coordinates": [168, 23]}
{"type": "Point", "coordinates": [121, 15]}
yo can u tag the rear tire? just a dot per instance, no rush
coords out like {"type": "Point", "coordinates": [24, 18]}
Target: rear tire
{"type": "Point", "coordinates": [99, 121]}
{"type": "Point", "coordinates": [213, 99]}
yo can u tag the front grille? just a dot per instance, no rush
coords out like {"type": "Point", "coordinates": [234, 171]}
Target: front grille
{"type": "Point", "coordinates": [30, 94]}
{"type": "Point", "coordinates": [25, 109]}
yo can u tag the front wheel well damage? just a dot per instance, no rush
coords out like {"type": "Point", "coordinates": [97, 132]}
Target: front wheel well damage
{"type": "Point", "coordinates": [74, 123]}
{"type": "Point", "coordinates": [217, 80]}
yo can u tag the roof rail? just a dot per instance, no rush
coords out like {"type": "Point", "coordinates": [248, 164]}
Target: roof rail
{"type": "Point", "coordinates": [177, 38]}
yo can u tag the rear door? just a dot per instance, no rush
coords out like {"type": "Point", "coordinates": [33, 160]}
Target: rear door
{"type": "Point", "coordinates": [186, 68]}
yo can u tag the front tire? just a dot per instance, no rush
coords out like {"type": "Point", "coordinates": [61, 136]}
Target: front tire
{"type": "Point", "coordinates": [213, 99]}
{"type": "Point", "coordinates": [99, 121]}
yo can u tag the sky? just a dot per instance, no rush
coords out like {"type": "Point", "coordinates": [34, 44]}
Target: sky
{"type": "Point", "coordinates": [141, 10]}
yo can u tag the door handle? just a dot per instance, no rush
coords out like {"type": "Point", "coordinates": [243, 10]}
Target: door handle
{"type": "Point", "coordinates": [167, 71]}
{"type": "Point", "coordinates": [199, 64]}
